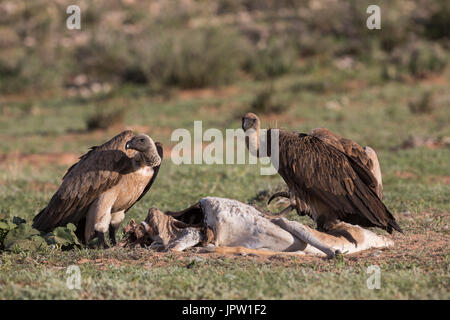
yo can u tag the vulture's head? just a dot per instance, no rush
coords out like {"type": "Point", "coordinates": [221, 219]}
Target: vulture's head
{"type": "Point", "coordinates": [143, 143]}
{"type": "Point", "coordinates": [251, 126]}
{"type": "Point", "coordinates": [250, 121]}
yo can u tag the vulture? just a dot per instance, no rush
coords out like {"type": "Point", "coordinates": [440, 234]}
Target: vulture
{"type": "Point", "coordinates": [330, 179]}
{"type": "Point", "coordinates": [104, 184]}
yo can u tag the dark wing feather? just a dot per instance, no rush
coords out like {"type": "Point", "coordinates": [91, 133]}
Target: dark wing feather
{"type": "Point", "coordinates": [319, 171]}
{"type": "Point", "coordinates": [360, 160]}
{"type": "Point", "coordinates": [159, 149]}
{"type": "Point", "coordinates": [97, 171]}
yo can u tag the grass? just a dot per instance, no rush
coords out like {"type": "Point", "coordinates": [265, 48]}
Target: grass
{"type": "Point", "coordinates": [42, 135]}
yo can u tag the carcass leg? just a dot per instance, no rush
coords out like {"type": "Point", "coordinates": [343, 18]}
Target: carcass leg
{"type": "Point", "coordinates": [305, 235]}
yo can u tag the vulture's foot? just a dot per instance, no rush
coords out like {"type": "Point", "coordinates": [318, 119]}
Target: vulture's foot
{"type": "Point", "coordinates": [101, 244]}
{"type": "Point", "coordinates": [112, 235]}
{"type": "Point", "coordinates": [283, 194]}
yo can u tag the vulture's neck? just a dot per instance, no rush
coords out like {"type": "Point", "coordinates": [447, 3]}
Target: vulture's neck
{"type": "Point", "coordinates": [146, 158]}
{"type": "Point", "coordinates": [252, 141]}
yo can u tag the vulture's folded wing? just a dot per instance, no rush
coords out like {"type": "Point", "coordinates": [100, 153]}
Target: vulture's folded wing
{"type": "Point", "coordinates": [95, 172]}
{"type": "Point", "coordinates": [319, 170]}
{"type": "Point", "coordinates": [353, 150]}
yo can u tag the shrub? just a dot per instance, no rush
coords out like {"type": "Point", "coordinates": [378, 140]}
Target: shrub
{"type": "Point", "coordinates": [205, 57]}
{"type": "Point", "coordinates": [105, 118]}
{"type": "Point", "coordinates": [425, 104]}
{"type": "Point", "coordinates": [275, 59]}
{"type": "Point", "coordinates": [266, 102]}
{"type": "Point", "coordinates": [186, 59]}
{"type": "Point", "coordinates": [427, 59]}
{"type": "Point", "coordinates": [417, 60]}
{"type": "Point", "coordinates": [437, 24]}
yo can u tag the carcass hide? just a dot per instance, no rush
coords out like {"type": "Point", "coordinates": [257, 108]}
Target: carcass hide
{"type": "Point", "coordinates": [218, 222]}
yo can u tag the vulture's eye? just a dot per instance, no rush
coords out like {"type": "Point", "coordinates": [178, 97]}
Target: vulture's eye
{"type": "Point", "coordinates": [141, 140]}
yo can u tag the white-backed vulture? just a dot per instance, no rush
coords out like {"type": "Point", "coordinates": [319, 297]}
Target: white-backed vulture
{"type": "Point", "coordinates": [106, 182]}
{"type": "Point", "coordinates": [331, 179]}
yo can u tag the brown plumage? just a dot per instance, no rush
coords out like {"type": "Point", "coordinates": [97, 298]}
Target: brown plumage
{"type": "Point", "coordinates": [329, 177]}
{"type": "Point", "coordinates": [364, 157]}
{"type": "Point", "coordinates": [105, 183]}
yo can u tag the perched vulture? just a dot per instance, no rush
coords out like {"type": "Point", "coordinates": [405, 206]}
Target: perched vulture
{"type": "Point", "coordinates": [106, 182]}
{"type": "Point", "coordinates": [330, 178]}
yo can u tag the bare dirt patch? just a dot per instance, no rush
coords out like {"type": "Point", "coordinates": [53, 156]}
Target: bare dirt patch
{"type": "Point", "coordinates": [41, 159]}
{"type": "Point", "coordinates": [280, 120]}
{"type": "Point", "coordinates": [207, 93]}
{"type": "Point", "coordinates": [439, 179]}
{"type": "Point", "coordinates": [405, 175]}
{"type": "Point", "coordinates": [37, 186]}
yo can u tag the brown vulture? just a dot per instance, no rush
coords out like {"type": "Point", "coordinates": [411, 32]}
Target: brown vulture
{"type": "Point", "coordinates": [330, 178]}
{"type": "Point", "coordinates": [106, 182]}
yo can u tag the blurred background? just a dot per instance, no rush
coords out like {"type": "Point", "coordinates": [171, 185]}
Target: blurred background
{"type": "Point", "coordinates": [154, 66]}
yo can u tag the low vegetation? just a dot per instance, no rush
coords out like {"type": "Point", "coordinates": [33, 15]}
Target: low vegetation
{"type": "Point", "coordinates": [201, 44]}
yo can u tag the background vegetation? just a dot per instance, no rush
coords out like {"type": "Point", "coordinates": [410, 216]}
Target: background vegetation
{"type": "Point", "coordinates": [154, 66]}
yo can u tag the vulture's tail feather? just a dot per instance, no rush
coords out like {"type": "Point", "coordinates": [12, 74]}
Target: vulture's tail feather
{"type": "Point", "coordinates": [392, 224]}
{"type": "Point", "coordinates": [36, 220]}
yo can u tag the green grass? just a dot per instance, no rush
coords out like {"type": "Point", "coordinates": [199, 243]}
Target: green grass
{"type": "Point", "coordinates": [221, 277]}
{"type": "Point", "coordinates": [375, 114]}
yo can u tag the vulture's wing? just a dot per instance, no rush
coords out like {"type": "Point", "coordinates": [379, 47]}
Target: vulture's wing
{"type": "Point", "coordinates": [159, 149]}
{"type": "Point", "coordinates": [354, 151]}
{"type": "Point", "coordinates": [96, 171]}
{"type": "Point", "coordinates": [319, 170]}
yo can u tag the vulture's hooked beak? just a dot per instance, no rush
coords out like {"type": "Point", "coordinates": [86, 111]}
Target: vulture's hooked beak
{"type": "Point", "coordinates": [129, 144]}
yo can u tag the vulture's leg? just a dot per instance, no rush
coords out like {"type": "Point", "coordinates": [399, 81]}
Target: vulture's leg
{"type": "Point", "coordinates": [302, 233]}
{"type": "Point", "coordinates": [101, 244]}
{"type": "Point", "coordinates": [99, 218]}
{"type": "Point", "coordinates": [112, 235]}
{"type": "Point", "coordinates": [116, 219]}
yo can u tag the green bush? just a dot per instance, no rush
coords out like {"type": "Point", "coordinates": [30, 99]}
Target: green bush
{"type": "Point", "coordinates": [425, 104]}
{"type": "Point", "coordinates": [200, 44]}
{"type": "Point", "coordinates": [275, 59]}
{"type": "Point", "coordinates": [266, 102]}
{"type": "Point", "coordinates": [437, 24]}
{"type": "Point", "coordinates": [427, 59]}
{"type": "Point", "coordinates": [200, 58]}
{"type": "Point", "coordinates": [105, 117]}
{"type": "Point", "coordinates": [188, 59]}
{"type": "Point", "coordinates": [416, 60]}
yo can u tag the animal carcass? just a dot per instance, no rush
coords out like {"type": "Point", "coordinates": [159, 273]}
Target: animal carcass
{"type": "Point", "coordinates": [218, 223]}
